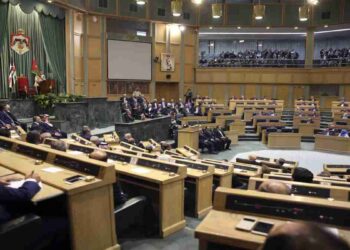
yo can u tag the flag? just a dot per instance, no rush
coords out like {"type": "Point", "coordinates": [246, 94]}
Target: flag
{"type": "Point", "coordinates": [35, 67]}
{"type": "Point", "coordinates": [12, 76]}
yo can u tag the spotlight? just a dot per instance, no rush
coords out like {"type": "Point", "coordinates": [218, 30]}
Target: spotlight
{"type": "Point", "coordinates": [182, 28]}
{"type": "Point", "coordinates": [198, 2]}
{"type": "Point", "coordinates": [259, 11]}
{"type": "Point", "coordinates": [176, 7]}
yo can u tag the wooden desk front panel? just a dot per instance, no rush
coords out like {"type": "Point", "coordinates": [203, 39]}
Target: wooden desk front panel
{"type": "Point", "coordinates": [332, 144]}
{"type": "Point", "coordinates": [284, 140]}
{"type": "Point", "coordinates": [188, 138]}
{"type": "Point", "coordinates": [239, 127]}
{"type": "Point", "coordinates": [307, 129]}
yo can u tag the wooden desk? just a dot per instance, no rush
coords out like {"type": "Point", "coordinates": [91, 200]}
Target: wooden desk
{"type": "Point", "coordinates": [5, 171]}
{"type": "Point", "coordinates": [222, 174]}
{"type": "Point", "coordinates": [164, 190]}
{"type": "Point", "coordinates": [189, 136]}
{"type": "Point", "coordinates": [240, 109]}
{"type": "Point", "coordinates": [337, 169]}
{"type": "Point", "coordinates": [267, 118]}
{"type": "Point", "coordinates": [92, 200]}
{"type": "Point", "coordinates": [222, 214]}
{"type": "Point", "coordinates": [190, 120]}
{"type": "Point", "coordinates": [332, 143]}
{"type": "Point", "coordinates": [238, 126]}
{"type": "Point", "coordinates": [201, 176]}
{"type": "Point", "coordinates": [233, 136]}
{"type": "Point", "coordinates": [235, 102]}
{"type": "Point", "coordinates": [222, 120]}
{"type": "Point", "coordinates": [307, 129]}
{"type": "Point", "coordinates": [284, 140]}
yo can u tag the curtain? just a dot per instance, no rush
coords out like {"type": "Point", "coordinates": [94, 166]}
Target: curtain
{"type": "Point", "coordinates": [46, 47]}
{"type": "Point", "coordinates": [3, 61]}
{"type": "Point", "coordinates": [53, 31]}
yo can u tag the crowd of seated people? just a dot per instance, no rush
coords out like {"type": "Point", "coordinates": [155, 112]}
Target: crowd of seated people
{"type": "Point", "coordinates": [139, 108]}
{"type": "Point", "coordinates": [335, 57]}
{"type": "Point", "coordinates": [43, 125]}
{"type": "Point", "coordinates": [252, 58]}
{"type": "Point", "coordinates": [333, 131]}
{"type": "Point", "coordinates": [214, 140]}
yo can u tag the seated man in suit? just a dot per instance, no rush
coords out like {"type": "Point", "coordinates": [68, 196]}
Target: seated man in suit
{"type": "Point", "coordinates": [48, 127]}
{"type": "Point", "coordinates": [11, 198]}
{"type": "Point", "coordinates": [129, 139]}
{"type": "Point", "coordinates": [8, 118]}
{"type": "Point", "coordinates": [205, 143]}
{"type": "Point", "coordinates": [344, 133]}
{"type": "Point", "coordinates": [219, 133]}
{"type": "Point", "coordinates": [33, 137]}
{"type": "Point", "coordinates": [36, 125]}
{"type": "Point", "coordinates": [119, 196]}
{"type": "Point", "coordinates": [86, 133]}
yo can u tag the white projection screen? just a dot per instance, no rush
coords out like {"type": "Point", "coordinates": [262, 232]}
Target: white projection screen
{"type": "Point", "coordinates": [129, 60]}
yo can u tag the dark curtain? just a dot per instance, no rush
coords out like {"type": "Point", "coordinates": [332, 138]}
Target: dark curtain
{"type": "Point", "coordinates": [3, 60]}
{"type": "Point", "coordinates": [53, 31]}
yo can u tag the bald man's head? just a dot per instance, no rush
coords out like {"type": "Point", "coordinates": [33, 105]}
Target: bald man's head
{"type": "Point", "coordinates": [99, 155]}
{"type": "Point", "coordinates": [301, 236]}
{"type": "Point", "coordinates": [275, 187]}
{"type": "Point", "coordinates": [252, 157]}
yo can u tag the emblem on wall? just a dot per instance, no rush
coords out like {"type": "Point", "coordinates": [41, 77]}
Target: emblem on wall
{"type": "Point", "coordinates": [167, 62]}
{"type": "Point", "coordinates": [20, 42]}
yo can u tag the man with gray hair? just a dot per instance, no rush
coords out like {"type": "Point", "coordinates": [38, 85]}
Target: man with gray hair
{"type": "Point", "coordinates": [59, 145]}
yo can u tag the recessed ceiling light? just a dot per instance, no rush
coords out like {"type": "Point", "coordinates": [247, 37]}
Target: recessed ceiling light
{"type": "Point", "coordinates": [241, 41]}
{"type": "Point", "coordinates": [239, 27]}
{"type": "Point", "coordinates": [140, 2]}
{"type": "Point", "coordinates": [326, 26]}
{"type": "Point", "coordinates": [198, 2]}
{"type": "Point", "coordinates": [313, 2]}
{"type": "Point", "coordinates": [210, 28]}
{"type": "Point", "coordinates": [296, 27]}
{"type": "Point", "coordinates": [268, 27]}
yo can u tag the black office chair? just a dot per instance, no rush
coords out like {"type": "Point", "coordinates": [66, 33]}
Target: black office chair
{"type": "Point", "coordinates": [129, 214]}
{"type": "Point", "coordinates": [16, 234]}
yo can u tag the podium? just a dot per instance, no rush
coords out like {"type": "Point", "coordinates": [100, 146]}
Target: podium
{"type": "Point", "coordinates": [47, 86]}
{"type": "Point", "coordinates": [189, 137]}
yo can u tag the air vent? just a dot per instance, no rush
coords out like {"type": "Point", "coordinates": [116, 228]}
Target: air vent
{"type": "Point", "coordinates": [187, 16]}
{"type": "Point", "coordinates": [133, 7]}
{"type": "Point", "coordinates": [326, 15]}
{"type": "Point", "coordinates": [103, 3]}
{"type": "Point", "coordinates": [161, 12]}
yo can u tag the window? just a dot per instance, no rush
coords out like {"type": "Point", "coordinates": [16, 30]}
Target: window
{"type": "Point", "coordinates": [187, 16]}
{"type": "Point", "coordinates": [161, 12]}
{"type": "Point", "coordinates": [133, 7]}
{"type": "Point", "coordinates": [103, 3]}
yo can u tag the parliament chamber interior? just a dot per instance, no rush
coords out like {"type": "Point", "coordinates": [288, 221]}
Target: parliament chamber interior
{"type": "Point", "coordinates": [175, 124]}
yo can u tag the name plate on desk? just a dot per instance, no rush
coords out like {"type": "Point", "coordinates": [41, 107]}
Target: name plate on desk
{"type": "Point", "coordinates": [157, 165]}
{"type": "Point", "coordinates": [311, 191]}
{"type": "Point", "coordinates": [118, 157]}
{"type": "Point", "coordinates": [129, 152]}
{"type": "Point", "coordinates": [33, 152]}
{"type": "Point", "coordinates": [77, 165]}
{"type": "Point", "coordinates": [288, 209]}
{"type": "Point", "coordinates": [192, 165]}
{"type": "Point", "coordinates": [81, 149]}
{"type": "Point", "coordinates": [6, 144]}
{"type": "Point", "coordinates": [219, 166]}
{"type": "Point", "coordinates": [245, 168]}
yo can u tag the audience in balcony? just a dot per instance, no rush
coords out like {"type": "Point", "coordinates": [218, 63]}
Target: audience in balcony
{"type": "Point", "coordinates": [251, 58]}
{"type": "Point", "coordinates": [335, 57]}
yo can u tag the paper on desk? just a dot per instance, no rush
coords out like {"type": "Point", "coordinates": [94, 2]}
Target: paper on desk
{"type": "Point", "coordinates": [75, 152]}
{"type": "Point", "coordinates": [18, 184]}
{"type": "Point", "coordinates": [141, 170]}
{"type": "Point", "coordinates": [332, 230]}
{"type": "Point", "coordinates": [52, 170]}
{"type": "Point", "coordinates": [110, 161]}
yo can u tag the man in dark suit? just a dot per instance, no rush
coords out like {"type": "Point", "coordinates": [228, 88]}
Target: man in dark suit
{"type": "Point", "coordinates": [47, 127]}
{"type": "Point", "coordinates": [11, 118]}
{"type": "Point", "coordinates": [219, 133]}
{"type": "Point", "coordinates": [11, 198]}
{"type": "Point", "coordinates": [36, 125]}
{"type": "Point", "coordinates": [205, 143]}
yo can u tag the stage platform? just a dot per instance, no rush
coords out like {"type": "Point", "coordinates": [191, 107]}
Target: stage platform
{"type": "Point", "coordinates": [157, 129]}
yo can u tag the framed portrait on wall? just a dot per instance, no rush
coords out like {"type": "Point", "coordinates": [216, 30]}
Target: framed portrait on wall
{"type": "Point", "coordinates": [167, 62]}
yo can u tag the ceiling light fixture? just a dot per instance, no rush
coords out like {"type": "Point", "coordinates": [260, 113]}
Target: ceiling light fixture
{"type": "Point", "coordinates": [304, 13]}
{"type": "Point", "coordinates": [198, 2]}
{"type": "Point", "coordinates": [176, 7]}
{"type": "Point", "coordinates": [259, 11]}
{"type": "Point", "coordinates": [312, 2]}
{"type": "Point", "coordinates": [216, 9]}
{"type": "Point", "coordinates": [140, 2]}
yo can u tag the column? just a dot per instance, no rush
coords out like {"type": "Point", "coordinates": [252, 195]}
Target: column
{"type": "Point", "coordinates": [182, 64]}
{"type": "Point", "coordinates": [309, 47]}
{"type": "Point", "coordinates": [154, 65]}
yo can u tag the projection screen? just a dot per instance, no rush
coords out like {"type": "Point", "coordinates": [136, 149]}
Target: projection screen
{"type": "Point", "coordinates": [129, 60]}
